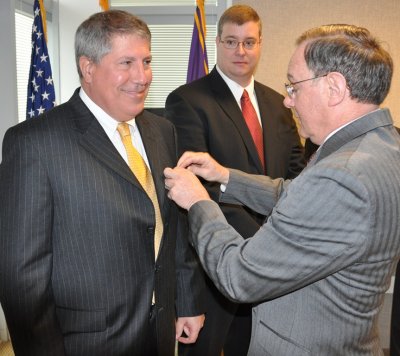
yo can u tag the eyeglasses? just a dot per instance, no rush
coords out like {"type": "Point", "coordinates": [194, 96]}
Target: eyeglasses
{"type": "Point", "coordinates": [232, 44]}
{"type": "Point", "coordinates": [291, 90]}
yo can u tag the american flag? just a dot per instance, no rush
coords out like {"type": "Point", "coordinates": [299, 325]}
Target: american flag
{"type": "Point", "coordinates": [41, 95]}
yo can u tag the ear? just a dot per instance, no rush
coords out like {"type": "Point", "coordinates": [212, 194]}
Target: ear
{"type": "Point", "coordinates": [337, 88]}
{"type": "Point", "coordinates": [86, 66]}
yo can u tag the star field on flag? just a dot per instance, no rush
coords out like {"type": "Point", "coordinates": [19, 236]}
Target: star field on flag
{"type": "Point", "coordinates": [41, 94]}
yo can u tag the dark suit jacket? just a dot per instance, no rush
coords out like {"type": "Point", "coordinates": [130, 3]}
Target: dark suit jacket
{"type": "Point", "coordinates": [77, 256]}
{"type": "Point", "coordinates": [208, 119]}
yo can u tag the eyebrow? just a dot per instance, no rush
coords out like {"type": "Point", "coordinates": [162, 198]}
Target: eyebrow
{"type": "Point", "coordinates": [236, 37]}
{"type": "Point", "coordinates": [290, 77]}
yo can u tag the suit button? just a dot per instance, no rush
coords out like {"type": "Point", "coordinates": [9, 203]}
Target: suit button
{"type": "Point", "coordinates": [150, 229]}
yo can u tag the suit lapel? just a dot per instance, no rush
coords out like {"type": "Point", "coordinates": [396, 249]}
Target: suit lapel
{"type": "Point", "coordinates": [94, 140]}
{"type": "Point", "coordinates": [227, 102]}
{"type": "Point", "coordinates": [152, 143]}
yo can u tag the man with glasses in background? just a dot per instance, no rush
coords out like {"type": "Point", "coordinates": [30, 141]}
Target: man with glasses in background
{"type": "Point", "coordinates": [262, 139]}
{"type": "Point", "coordinates": [318, 268]}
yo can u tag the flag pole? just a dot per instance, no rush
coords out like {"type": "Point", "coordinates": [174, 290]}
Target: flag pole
{"type": "Point", "coordinates": [198, 61]}
{"type": "Point", "coordinates": [104, 4]}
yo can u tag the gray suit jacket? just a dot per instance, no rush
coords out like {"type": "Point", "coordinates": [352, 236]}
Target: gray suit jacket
{"type": "Point", "coordinates": [320, 265]}
{"type": "Point", "coordinates": [77, 256]}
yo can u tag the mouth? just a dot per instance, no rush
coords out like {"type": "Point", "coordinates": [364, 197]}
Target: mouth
{"type": "Point", "coordinates": [137, 92]}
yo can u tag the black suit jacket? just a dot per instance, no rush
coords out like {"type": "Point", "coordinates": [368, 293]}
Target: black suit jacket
{"type": "Point", "coordinates": [208, 119]}
{"type": "Point", "coordinates": [77, 256]}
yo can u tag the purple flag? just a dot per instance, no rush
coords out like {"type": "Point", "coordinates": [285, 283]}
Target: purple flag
{"type": "Point", "coordinates": [198, 62]}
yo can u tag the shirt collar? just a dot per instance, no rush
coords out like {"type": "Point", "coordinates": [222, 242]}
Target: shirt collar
{"type": "Point", "coordinates": [346, 124]}
{"type": "Point", "coordinates": [106, 121]}
{"type": "Point", "coordinates": [237, 89]}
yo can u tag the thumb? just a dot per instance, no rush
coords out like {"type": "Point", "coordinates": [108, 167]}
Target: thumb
{"type": "Point", "coordinates": [168, 172]}
{"type": "Point", "coordinates": [178, 329]}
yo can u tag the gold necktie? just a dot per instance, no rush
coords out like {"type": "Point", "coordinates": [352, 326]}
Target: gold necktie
{"type": "Point", "coordinates": [143, 174]}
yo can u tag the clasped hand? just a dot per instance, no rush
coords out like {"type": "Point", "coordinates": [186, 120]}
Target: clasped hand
{"type": "Point", "coordinates": [184, 187]}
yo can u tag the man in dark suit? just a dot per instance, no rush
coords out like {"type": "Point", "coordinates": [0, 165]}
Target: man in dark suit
{"type": "Point", "coordinates": [208, 117]}
{"type": "Point", "coordinates": [79, 271]}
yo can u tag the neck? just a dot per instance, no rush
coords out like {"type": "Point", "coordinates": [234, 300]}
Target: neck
{"type": "Point", "coordinates": [343, 117]}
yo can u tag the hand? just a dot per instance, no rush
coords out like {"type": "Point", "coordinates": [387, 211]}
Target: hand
{"type": "Point", "coordinates": [203, 165]}
{"type": "Point", "coordinates": [191, 326]}
{"type": "Point", "coordinates": [184, 187]}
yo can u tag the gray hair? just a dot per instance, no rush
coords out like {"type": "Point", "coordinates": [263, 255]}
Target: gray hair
{"type": "Point", "coordinates": [93, 38]}
{"type": "Point", "coordinates": [353, 52]}
{"type": "Point", "coordinates": [239, 14]}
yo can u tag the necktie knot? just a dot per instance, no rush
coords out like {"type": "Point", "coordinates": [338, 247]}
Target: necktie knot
{"type": "Point", "coordinates": [245, 98]}
{"type": "Point", "coordinates": [123, 129]}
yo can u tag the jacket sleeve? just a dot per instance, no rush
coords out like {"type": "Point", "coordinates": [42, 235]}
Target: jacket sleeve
{"type": "Point", "coordinates": [306, 238]}
{"type": "Point", "coordinates": [26, 248]}
{"type": "Point", "coordinates": [189, 273]}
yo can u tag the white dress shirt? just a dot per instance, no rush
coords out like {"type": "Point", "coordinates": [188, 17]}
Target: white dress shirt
{"type": "Point", "coordinates": [237, 91]}
{"type": "Point", "coordinates": [110, 127]}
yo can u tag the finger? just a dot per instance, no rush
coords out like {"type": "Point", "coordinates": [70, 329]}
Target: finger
{"type": "Point", "coordinates": [183, 158]}
{"type": "Point", "coordinates": [189, 158]}
{"type": "Point", "coordinates": [167, 172]}
{"type": "Point", "coordinates": [178, 330]}
{"type": "Point", "coordinates": [188, 340]}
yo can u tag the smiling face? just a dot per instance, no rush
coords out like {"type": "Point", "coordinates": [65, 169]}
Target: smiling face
{"type": "Point", "coordinates": [239, 64]}
{"type": "Point", "coordinates": [119, 83]}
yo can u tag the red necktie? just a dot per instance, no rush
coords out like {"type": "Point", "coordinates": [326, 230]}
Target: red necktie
{"type": "Point", "coordinates": [250, 116]}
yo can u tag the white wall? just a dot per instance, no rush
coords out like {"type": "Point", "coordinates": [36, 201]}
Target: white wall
{"type": "Point", "coordinates": [71, 13]}
{"type": "Point", "coordinates": [8, 88]}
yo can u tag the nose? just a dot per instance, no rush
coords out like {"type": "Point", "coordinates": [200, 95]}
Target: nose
{"type": "Point", "coordinates": [240, 48]}
{"type": "Point", "coordinates": [141, 74]}
{"type": "Point", "coordinates": [288, 102]}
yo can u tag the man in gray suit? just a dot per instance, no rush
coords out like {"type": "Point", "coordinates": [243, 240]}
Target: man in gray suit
{"type": "Point", "coordinates": [319, 266]}
{"type": "Point", "coordinates": [79, 271]}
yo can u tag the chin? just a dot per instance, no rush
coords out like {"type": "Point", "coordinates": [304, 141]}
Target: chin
{"type": "Point", "coordinates": [134, 110]}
